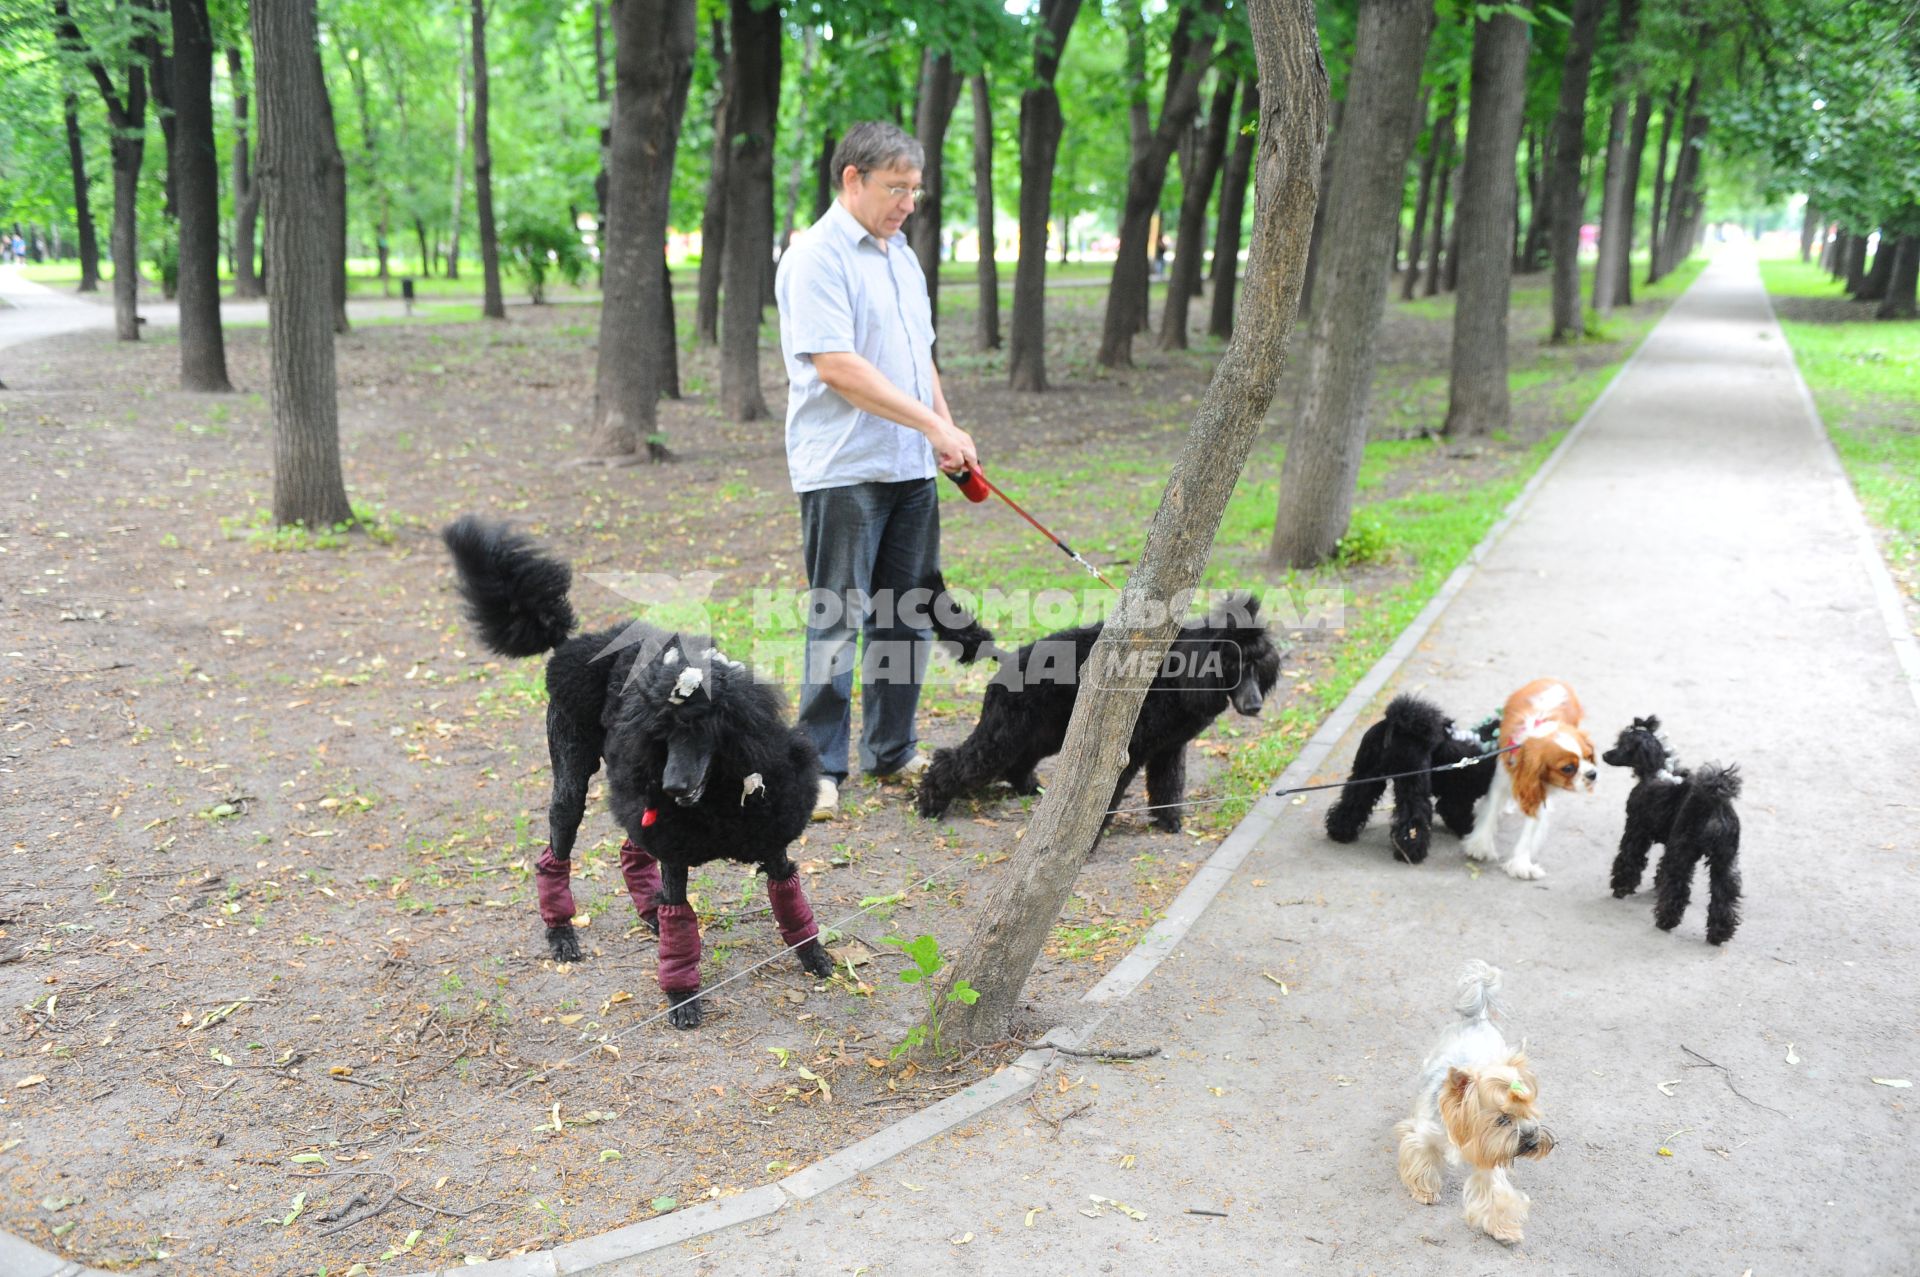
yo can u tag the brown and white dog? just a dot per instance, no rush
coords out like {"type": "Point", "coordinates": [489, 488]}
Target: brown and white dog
{"type": "Point", "coordinates": [1543, 720]}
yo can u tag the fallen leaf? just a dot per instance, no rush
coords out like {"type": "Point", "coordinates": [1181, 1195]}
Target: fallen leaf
{"type": "Point", "coordinates": [304, 1159]}
{"type": "Point", "coordinates": [1666, 1088]}
{"type": "Point", "coordinates": [664, 1203]}
{"type": "Point", "coordinates": [1791, 1057]}
{"type": "Point", "coordinates": [1665, 1151]}
{"type": "Point", "coordinates": [913, 1188]}
{"type": "Point", "coordinates": [1899, 1082]}
{"type": "Point", "coordinates": [1122, 1207]}
{"type": "Point", "coordinates": [610, 1155]}
{"type": "Point", "coordinates": [571, 1019]}
{"type": "Point", "coordinates": [340, 1070]}
{"type": "Point", "coordinates": [1030, 1214]}
{"type": "Point", "coordinates": [962, 1239]}
{"type": "Point", "coordinates": [26, 1082]}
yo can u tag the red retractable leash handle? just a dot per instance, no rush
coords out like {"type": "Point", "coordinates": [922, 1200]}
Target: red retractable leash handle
{"type": "Point", "coordinates": [977, 487]}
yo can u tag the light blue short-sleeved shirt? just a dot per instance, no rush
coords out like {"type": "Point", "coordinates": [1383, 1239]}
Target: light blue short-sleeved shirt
{"type": "Point", "coordinates": [838, 291]}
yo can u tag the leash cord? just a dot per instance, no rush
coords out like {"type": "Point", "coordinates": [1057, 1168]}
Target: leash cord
{"type": "Point", "coordinates": [1042, 530]}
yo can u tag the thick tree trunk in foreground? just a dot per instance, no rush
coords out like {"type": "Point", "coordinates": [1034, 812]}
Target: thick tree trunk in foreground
{"type": "Point", "coordinates": [296, 129]}
{"type": "Point", "coordinates": [749, 249]}
{"type": "Point", "coordinates": [1566, 199]}
{"type": "Point", "coordinates": [246, 191]}
{"type": "Point", "coordinates": [713, 219]}
{"type": "Point", "coordinates": [1146, 178]}
{"type": "Point", "coordinates": [987, 273]}
{"type": "Point", "coordinates": [652, 65]}
{"type": "Point", "coordinates": [1233, 213]}
{"type": "Point", "coordinates": [1040, 125]}
{"type": "Point", "coordinates": [1185, 279]}
{"type": "Point", "coordinates": [83, 207]}
{"type": "Point", "coordinates": [203, 352]}
{"type": "Point", "coordinates": [492, 304]}
{"type": "Point", "coordinates": [1480, 402]}
{"type": "Point", "coordinates": [939, 90]}
{"type": "Point", "coordinates": [1368, 182]}
{"type": "Point", "coordinates": [1015, 923]}
{"type": "Point", "coordinates": [1616, 194]}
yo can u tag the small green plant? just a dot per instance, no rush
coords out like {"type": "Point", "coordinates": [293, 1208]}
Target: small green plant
{"type": "Point", "coordinates": [541, 245]}
{"type": "Point", "coordinates": [924, 953]}
{"type": "Point", "coordinates": [1367, 541]}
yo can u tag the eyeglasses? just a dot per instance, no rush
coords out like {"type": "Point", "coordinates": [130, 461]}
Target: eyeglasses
{"type": "Point", "coordinates": [916, 193]}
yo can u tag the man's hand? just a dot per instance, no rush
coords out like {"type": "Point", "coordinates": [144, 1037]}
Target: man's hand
{"type": "Point", "coordinates": [953, 449]}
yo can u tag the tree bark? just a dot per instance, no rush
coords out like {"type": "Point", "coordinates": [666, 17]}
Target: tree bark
{"type": "Point", "coordinates": [1566, 200]}
{"type": "Point", "coordinates": [83, 206]}
{"type": "Point", "coordinates": [939, 91]}
{"type": "Point", "coordinates": [1233, 213]}
{"type": "Point", "coordinates": [492, 305]}
{"type": "Point", "coordinates": [1320, 214]}
{"type": "Point", "coordinates": [1368, 183]}
{"type": "Point", "coordinates": [987, 272]}
{"type": "Point", "coordinates": [1146, 178]}
{"type": "Point", "coordinates": [294, 173]}
{"type": "Point", "coordinates": [713, 219]}
{"type": "Point", "coordinates": [1900, 301]}
{"type": "Point", "coordinates": [1676, 244]}
{"type": "Point", "coordinates": [203, 352]}
{"type": "Point", "coordinates": [1656, 226]}
{"type": "Point", "coordinates": [1480, 402]}
{"type": "Point", "coordinates": [1856, 262]}
{"type": "Point", "coordinates": [1629, 209]}
{"type": "Point", "coordinates": [1616, 197]}
{"type": "Point", "coordinates": [336, 210]}
{"type": "Point", "coordinates": [1873, 283]}
{"type": "Point", "coordinates": [749, 248]}
{"type": "Point", "coordinates": [1197, 190]}
{"type": "Point", "coordinates": [370, 149]}
{"type": "Point", "coordinates": [1809, 225]}
{"type": "Point", "coordinates": [653, 65]}
{"type": "Point", "coordinates": [1444, 166]}
{"type": "Point", "coordinates": [127, 118]}
{"type": "Point", "coordinates": [246, 192]}
{"type": "Point", "coordinates": [1040, 125]}
{"type": "Point", "coordinates": [1015, 923]}
{"type": "Point", "coordinates": [160, 85]}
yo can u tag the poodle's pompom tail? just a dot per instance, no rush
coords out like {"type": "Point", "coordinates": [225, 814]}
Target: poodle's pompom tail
{"type": "Point", "coordinates": [1716, 783]}
{"type": "Point", "coordinates": [1479, 993]}
{"type": "Point", "coordinates": [516, 596]}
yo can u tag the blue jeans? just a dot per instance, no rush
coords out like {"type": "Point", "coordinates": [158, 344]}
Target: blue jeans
{"type": "Point", "coordinates": [866, 544]}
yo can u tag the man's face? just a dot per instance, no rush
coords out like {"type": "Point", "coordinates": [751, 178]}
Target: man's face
{"type": "Point", "coordinates": [873, 205]}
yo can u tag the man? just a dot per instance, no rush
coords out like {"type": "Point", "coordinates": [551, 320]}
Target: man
{"type": "Point", "coordinates": [867, 429]}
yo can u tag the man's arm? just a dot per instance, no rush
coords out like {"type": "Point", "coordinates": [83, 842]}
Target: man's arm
{"type": "Point", "coordinates": [857, 381]}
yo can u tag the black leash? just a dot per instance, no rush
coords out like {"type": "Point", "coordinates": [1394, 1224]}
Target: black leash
{"type": "Point", "coordinates": [1337, 784]}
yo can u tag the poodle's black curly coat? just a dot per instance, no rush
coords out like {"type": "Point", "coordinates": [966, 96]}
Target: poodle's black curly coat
{"type": "Point", "coordinates": [1412, 735]}
{"type": "Point", "coordinates": [1691, 814]}
{"type": "Point", "coordinates": [1225, 658]}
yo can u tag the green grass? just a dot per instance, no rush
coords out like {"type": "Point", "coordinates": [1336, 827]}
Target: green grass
{"type": "Point", "coordinates": [1865, 378]}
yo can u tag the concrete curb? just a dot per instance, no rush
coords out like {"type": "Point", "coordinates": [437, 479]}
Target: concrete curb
{"type": "Point", "coordinates": [1886, 590]}
{"type": "Point", "coordinates": [1015, 1080]}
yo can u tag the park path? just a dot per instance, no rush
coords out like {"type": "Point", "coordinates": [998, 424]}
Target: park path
{"type": "Point", "coordinates": [1694, 554]}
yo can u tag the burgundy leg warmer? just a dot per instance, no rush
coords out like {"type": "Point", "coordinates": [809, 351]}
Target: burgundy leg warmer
{"type": "Point", "coordinates": [679, 949]}
{"type": "Point", "coordinates": [791, 912]}
{"type": "Point", "coordinates": [642, 873]}
{"type": "Point", "coordinates": [554, 891]}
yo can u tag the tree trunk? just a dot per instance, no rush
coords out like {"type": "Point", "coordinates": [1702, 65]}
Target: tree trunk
{"type": "Point", "coordinates": [1233, 212]}
{"type": "Point", "coordinates": [1629, 208]}
{"type": "Point", "coordinates": [246, 193]}
{"type": "Point", "coordinates": [1484, 223]}
{"type": "Point", "coordinates": [370, 149]}
{"type": "Point", "coordinates": [1809, 225]}
{"type": "Point", "coordinates": [749, 248]}
{"type": "Point", "coordinates": [160, 84]}
{"type": "Point", "coordinates": [653, 65]}
{"type": "Point", "coordinates": [1196, 191]}
{"type": "Point", "coordinates": [1146, 177]}
{"type": "Point", "coordinates": [1015, 923]}
{"type": "Point", "coordinates": [83, 207]}
{"type": "Point", "coordinates": [295, 172]}
{"type": "Point", "coordinates": [492, 305]}
{"type": "Point", "coordinates": [1873, 283]}
{"type": "Point", "coordinates": [1616, 197]}
{"type": "Point", "coordinates": [1320, 214]}
{"type": "Point", "coordinates": [1900, 301]}
{"type": "Point", "coordinates": [1436, 252]}
{"type": "Point", "coordinates": [127, 118]}
{"type": "Point", "coordinates": [203, 352]}
{"type": "Point", "coordinates": [1856, 263]}
{"type": "Point", "coordinates": [987, 272]}
{"type": "Point", "coordinates": [1676, 244]}
{"type": "Point", "coordinates": [713, 218]}
{"type": "Point", "coordinates": [1416, 242]}
{"type": "Point", "coordinates": [939, 91]}
{"type": "Point", "coordinates": [1368, 184]}
{"type": "Point", "coordinates": [1040, 124]}
{"type": "Point", "coordinates": [459, 161]}
{"type": "Point", "coordinates": [336, 211]}
{"type": "Point", "coordinates": [1566, 199]}
{"type": "Point", "coordinates": [1656, 227]}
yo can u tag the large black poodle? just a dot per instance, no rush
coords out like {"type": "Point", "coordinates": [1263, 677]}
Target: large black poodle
{"type": "Point", "coordinates": [1692, 814]}
{"type": "Point", "coordinates": [1415, 734]}
{"type": "Point", "coordinates": [702, 764]}
{"type": "Point", "coordinates": [1225, 658]}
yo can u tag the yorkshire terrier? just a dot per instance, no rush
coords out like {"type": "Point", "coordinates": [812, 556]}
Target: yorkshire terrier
{"type": "Point", "coordinates": [1476, 1105]}
{"type": "Point", "coordinates": [1691, 814]}
{"type": "Point", "coordinates": [1433, 758]}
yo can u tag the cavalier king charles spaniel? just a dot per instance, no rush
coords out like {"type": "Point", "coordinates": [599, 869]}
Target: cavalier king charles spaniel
{"type": "Point", "coordinates": [1548, 751]}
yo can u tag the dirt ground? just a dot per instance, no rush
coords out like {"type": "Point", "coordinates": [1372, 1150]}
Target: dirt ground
{"type": "Point", "coordinates": [282, 1000]}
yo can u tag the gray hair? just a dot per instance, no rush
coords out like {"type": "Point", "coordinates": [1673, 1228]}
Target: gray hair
{"type": "Point", "coordinates": [873, 144]}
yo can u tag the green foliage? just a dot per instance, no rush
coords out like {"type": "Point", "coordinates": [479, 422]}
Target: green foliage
{"type": "Point", "coordinates": [262, 533]}
{"type": "Point", "coordinates": [924, 953]}
{"type": "Point", "coordinates": [542, 246]}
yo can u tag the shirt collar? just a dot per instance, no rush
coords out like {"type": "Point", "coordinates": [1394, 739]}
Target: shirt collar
{"type": "Point", "coordinates": [849, 226]}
